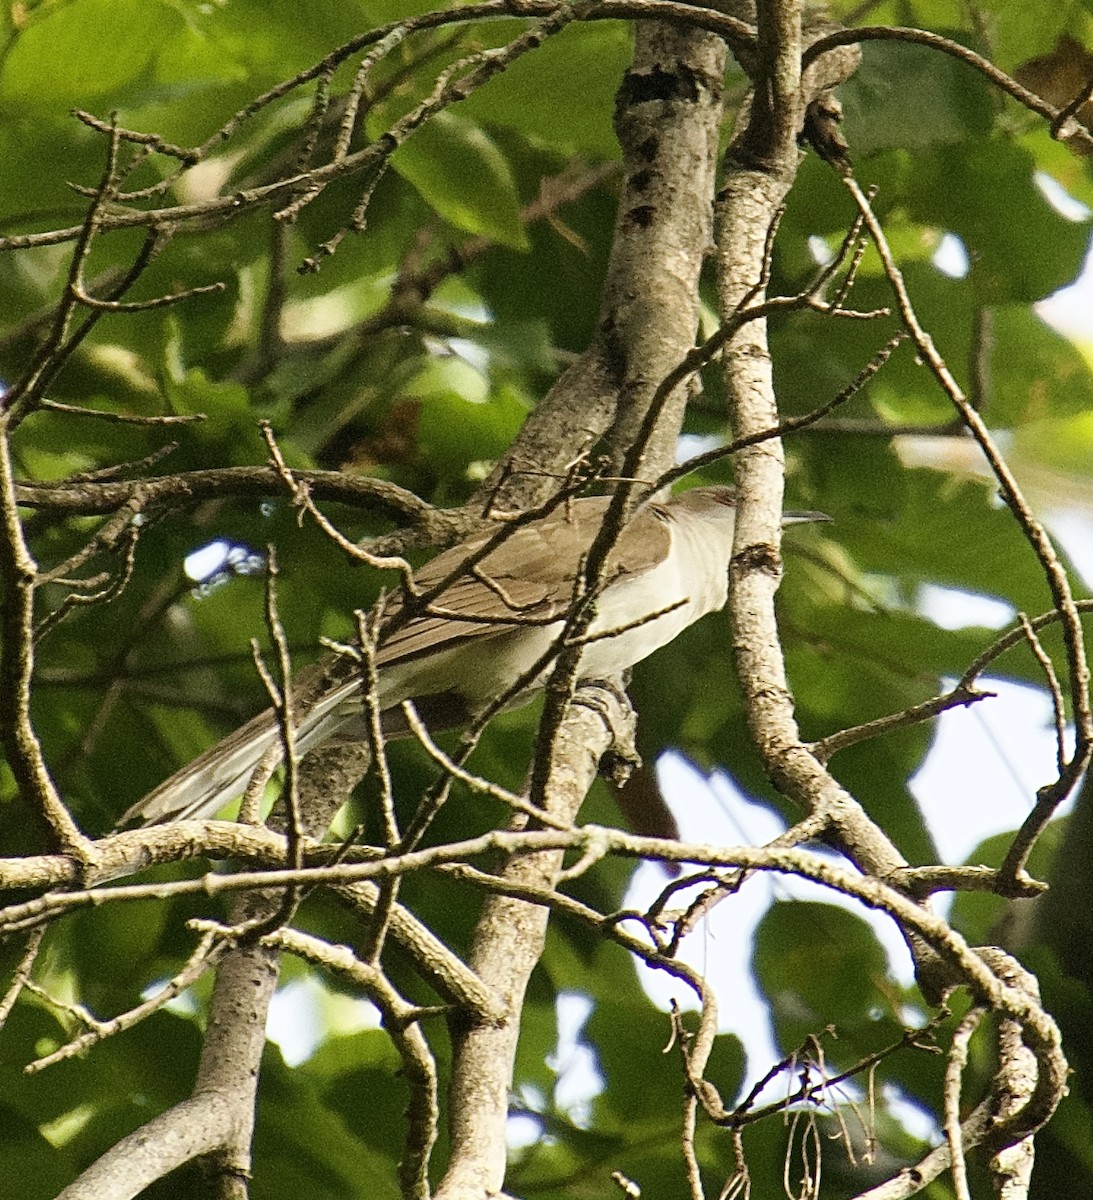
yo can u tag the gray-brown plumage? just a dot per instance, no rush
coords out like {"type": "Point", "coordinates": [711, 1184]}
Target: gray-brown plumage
{"type": "Point", "coordinates": [491, 625]}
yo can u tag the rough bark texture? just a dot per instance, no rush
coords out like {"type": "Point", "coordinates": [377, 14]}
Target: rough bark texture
{"type": "Point", "coordinates": [508, 942]}
{"type": "Point", "coordinates": [668, 117]}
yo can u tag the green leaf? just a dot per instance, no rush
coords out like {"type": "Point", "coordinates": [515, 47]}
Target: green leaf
{"type": "Point", "coordinates": [820, 965]}
{"type": "Point", "coordinates": [460, 171]}
{"type": "Point", "coordinates": [34, 1169]}
{"type": "Point", "coordinates": [563, 95]}
{"type": "Point", "coordinates": [77, 54]}
{"type": "Point", "coordinates": [951, 101]}
{"type": "Point", "coordinates": [964, 186]}
{"type": "Point", "coordinates": [456, 433]}
{"type": "Point", "coordinates": [305, 1144]}
{"type": "Point", "coordinates": [642, 1081]}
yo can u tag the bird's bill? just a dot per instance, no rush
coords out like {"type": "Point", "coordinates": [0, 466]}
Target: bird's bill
{"type": "Point", "coordinates": [803, 518]}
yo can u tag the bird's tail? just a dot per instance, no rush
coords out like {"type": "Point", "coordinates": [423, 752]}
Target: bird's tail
{"type": "Point", "coordinates": [215, 778]}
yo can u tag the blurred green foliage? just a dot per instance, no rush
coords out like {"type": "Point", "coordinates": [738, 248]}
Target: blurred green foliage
{"type": "Point", "coordinates": [428, 396]}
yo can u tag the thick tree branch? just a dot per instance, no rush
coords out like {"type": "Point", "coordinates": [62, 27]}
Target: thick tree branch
{"type": "Point", "coordinates": [507, 944]}
{"type": "Point", "coordinates": [668, 115]}
{"type": "Point", "coordinates": [762, 161]}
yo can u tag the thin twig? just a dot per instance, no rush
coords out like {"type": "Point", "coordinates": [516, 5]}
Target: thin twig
{"type": "Point", "coordinates": [368, 627]}
{"type": "Point", "coordinates": [476, 783]}
{"type": "Point", "coordinates": [301, 496]}
{"type": "Point", "coordinates": [123, 418]}
{"type": "Point", "coordinates": [962, 696]}
{"type": "Point", "coordinates": [22, 973]}
{"type": "Point", "coordinates": [1057, 702]}
{"type": "Point", "coordinates": [113, 586]}
{"type": "Point", "coordinates": [203, 959]}
{"type": "Point", "coordinates": [954, 1073]}
{"type": "Point", "coordinates": [18, 584]}
{"type": "Point", "coordinates": [1060, 127]}
{"type": "Point", "coordinates": [27, 390]}
{"type": "Point", "coordinates": [1055, 574]}
{"type": "Point", "coordinates": [789, 424]}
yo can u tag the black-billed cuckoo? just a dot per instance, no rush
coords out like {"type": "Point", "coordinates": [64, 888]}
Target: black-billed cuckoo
{"type": "Point", "coordinates": [492, 624]}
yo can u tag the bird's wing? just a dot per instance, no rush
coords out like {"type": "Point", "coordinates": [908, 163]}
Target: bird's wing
{"type": "Point", "coordinates": [526, 580]}
{"type": "Point", "coordinates": [528, 577]}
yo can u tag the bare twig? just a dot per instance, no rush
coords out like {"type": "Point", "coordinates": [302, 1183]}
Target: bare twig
{"type": "Point", "coordinates": [1057, 703]}
{"type": "Point", "coordinates": [787, 425]}
{"type": "Point", "coordinates": [476, 783]}
{"type": "Point", "coordinates": [368, 627]}
{"type": "Point", "coordinates": [21, 976]}
{"type": "Point", "coordinates": [962, 696]}
{"type": "Point", "coordinates": [1050, 796]}
{"type": "Point", "coordinates": [1062, 127]}
{"type": "Point", "coordinates": [954, 1073]}
{"type": "Point", "coordinates": [301, 496]}
{"type": "Point", "coordinates": [1015, 637]}
{"type": "Point", "coordinates": [27, 390]}
{"type": "Point", "coordinates": [18, 583]}
{"type": "Point", "coordinates": [122, 418]}
{"type": "Point", "coordinates": [111, 587]}
{"type": "Point", "coordinates": [201, 960]}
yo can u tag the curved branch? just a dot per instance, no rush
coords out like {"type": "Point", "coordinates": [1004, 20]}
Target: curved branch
{"type": "Point", "coordinates": [1050, 796]}
{"type": "Point", "coordinates": [87, 497]}
{"type": "Point", "coordinates": [1062, 126]}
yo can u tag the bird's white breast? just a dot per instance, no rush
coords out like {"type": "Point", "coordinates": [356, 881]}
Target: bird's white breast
{"type": "Point", "coordinates": [691, 581]}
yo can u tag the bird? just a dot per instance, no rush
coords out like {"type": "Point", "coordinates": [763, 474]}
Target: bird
{"type": "Point", "coordinates": [498, 611]}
